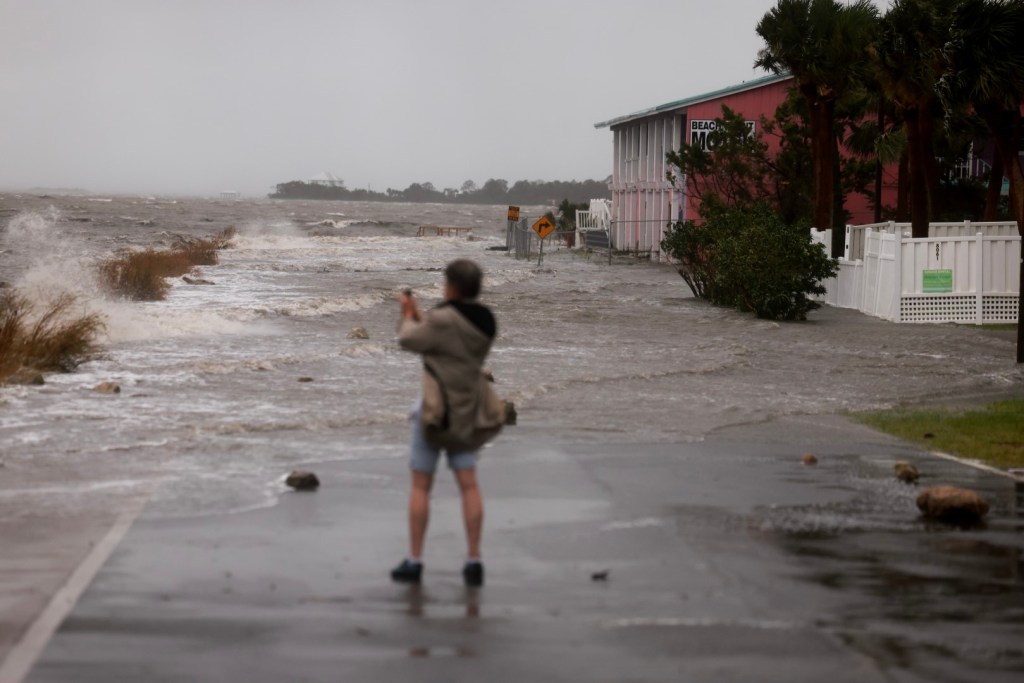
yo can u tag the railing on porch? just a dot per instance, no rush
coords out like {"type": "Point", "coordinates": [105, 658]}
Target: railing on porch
{"type": "Point", "coordinates": [441, 231]}
{"type": "Point", "coordinates": [641, 237]}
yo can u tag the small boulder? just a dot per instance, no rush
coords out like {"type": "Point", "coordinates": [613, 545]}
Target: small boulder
{"type": "Point", "coordinates": [358, 333]}
{"type": "Point", "coordinates": [305, 379]}
{"type": "Point", "coordinates": [510, 413]}
{"type": "Point", "coordinates": [301, 480]}
{"type": "Point", "coordinates": [809, 459]}
{"type": "Point", "coordinates": [488, 375]}
{"type": "Point", "coordinates": [107, 388]}
{"type": "Point", "coordinates": [906, 472]}
{"type": "Point", "coordinates": [952, 504]}
{"type": "Point", "coordinates": [196, 280]}
{"type": "Point", "coordinates": [27, 376]}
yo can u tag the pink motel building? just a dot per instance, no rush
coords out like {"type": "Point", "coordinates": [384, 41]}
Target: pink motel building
{"type": "Point", "coordinates": [644, 201]}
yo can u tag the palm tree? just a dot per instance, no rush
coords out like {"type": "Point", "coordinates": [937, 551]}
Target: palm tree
{"type": "Point", "coordinates": [822, 43]}
{"type": "Point", "coordinates": [908, 59]}
{"type": "Point", "coordinates": [985, 71]}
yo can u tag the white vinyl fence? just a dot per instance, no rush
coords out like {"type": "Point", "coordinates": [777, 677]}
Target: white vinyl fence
{"type": "Point", "coordinates": [962, 272]}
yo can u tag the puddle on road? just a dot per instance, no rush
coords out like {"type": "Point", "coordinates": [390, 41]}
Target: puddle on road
{"type": "Point", "coordinates": [944, 601]}
{"type": "Point", "coordinates": [915, 594]}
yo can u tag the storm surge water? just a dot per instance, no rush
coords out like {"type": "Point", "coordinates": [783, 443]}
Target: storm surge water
{"type": "Point", "coordinates": [211, 411]}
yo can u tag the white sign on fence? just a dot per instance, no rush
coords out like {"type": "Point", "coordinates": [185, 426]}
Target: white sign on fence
{"type": "Point", "coordinates": [936, 281]}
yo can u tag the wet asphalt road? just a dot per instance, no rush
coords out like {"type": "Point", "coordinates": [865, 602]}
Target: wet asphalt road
{"type": "Point", "coordinates": [726, 560]}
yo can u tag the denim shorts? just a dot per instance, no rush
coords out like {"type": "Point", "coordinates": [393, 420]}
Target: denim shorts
{"type": "Point", "coordinates": [424, 457]}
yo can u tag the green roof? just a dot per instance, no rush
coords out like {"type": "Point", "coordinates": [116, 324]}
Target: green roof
{"type": "Point", "coordinates": [690, 101]}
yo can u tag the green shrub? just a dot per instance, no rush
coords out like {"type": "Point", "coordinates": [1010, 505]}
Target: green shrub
{"type": "Point", "coordinates": [747, 257]}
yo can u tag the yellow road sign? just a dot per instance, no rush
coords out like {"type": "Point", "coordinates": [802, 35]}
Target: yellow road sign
{"type": "Point", "coordinates": [513, 213]}
{"type": "Point", "coordinates": [544, 227]}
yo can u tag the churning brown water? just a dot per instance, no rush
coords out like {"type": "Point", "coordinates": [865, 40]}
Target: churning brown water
{"type": "Point", "coordinates": [211, 411]}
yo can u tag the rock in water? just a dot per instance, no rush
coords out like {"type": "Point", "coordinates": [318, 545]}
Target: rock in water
{"type": "Point", "coordinates": [510, 413]}
{"type": "Point", "coordinates": [195, 280]}
{"type": "Point", "coordinates": [301, 480]}
{"type": "Point", "coordinates": [809, 459]}
{"type": "Point", "coordinates": [107, 388]}
{"type": "Point", "coordinates": [305, 379]}
{"type": "Point", "coordinates": [27, 376]}
{"type": "Point", "coordinates": [906, 472]}
{"type": "Point", "coordinates": [358, 333]}
{"type": "Point", "coordinates": [952, 504]}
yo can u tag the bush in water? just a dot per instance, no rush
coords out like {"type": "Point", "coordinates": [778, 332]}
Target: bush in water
{"type": "Point", "coordinates": [747, 257]}
{"type": "Point", "coordinates": [140, 275]}
{"type": "Point", "coordinates": [55, 338]}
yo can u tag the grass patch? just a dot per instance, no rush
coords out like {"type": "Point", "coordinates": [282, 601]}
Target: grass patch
{"type": "Point", "coordinates": [993, 434]}
{"type": "Point", "coordinates": [47, 338]}
{"type": "Point", "coordinates": [142, 275]}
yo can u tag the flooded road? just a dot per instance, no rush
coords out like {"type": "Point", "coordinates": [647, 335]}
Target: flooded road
{"type": "Point", "coordinates": [211, 410]}
{"type": "Point", "coordinates": [669, 430]}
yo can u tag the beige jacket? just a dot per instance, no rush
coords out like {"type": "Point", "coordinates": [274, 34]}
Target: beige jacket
{"type": "Point", "coordinates": [460, 412]}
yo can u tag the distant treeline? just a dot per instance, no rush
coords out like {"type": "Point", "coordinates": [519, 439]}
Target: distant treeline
{"type": "Point", "coordinates": [494, 191]}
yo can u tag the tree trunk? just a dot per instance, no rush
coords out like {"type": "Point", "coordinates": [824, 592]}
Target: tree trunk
{"type": "Point", "coordinates": [825, 185]}
{"type": "Point", "coordinates": [838, 203]}
{"type": "Point", "coordinates": [919, 199]}
{"type": "Point", "coordinates": [1011, 159]}
{"type": "Point", "coordinates": [995, 189]}
{"type": "Point", "coordinates": [1005, 127]}
{"type": "Point", "coordinates": [926, 124]}
{"type": "Point", "coordinates": [878, 165]}
{"type": "Point", "coordinates": [820, 112]}
{"type": "Point", "coordinates": [903, 188]}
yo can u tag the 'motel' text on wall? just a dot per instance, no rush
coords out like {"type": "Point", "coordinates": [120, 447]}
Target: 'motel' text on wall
{"type": "Point", "coordinates": [700, 129]}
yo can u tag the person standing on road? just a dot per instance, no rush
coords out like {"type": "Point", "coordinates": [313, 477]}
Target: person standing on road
{"type": "Point", "coordinates": [457, 413]}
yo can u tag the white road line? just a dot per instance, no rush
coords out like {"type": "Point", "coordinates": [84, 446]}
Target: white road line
{"type": "Point", "coordinates": [23, 656]}
{"type": "Point", "coordinates": [975, 464]}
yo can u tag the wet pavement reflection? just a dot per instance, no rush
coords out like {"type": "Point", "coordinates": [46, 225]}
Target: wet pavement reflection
{"type": "Point", "coordinates": [918, 595]}
{"type": "Point", "coordinates": [419, 607]}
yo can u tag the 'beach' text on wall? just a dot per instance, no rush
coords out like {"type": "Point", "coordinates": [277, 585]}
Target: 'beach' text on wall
{"type": "Point", "coordinates": [701, 128]}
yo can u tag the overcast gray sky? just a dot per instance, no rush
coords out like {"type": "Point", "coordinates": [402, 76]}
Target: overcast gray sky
{"type": "Point", "coordinates": [199, 96]}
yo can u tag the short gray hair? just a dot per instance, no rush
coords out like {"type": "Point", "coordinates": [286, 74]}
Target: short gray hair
{"type": "Point", "coordinates": [465, 276]}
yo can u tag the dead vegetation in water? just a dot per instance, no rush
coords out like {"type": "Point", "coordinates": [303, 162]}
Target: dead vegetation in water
{"type": "Point", "coordinates": [49, 337]}
{"type": "Point", "coordinates": [142, 275]}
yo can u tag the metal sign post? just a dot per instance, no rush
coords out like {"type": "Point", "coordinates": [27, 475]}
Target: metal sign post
{"type": "Point", "coordinates": [513, 218]}
{"type": "Point", "coordinates": [543, 227]}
